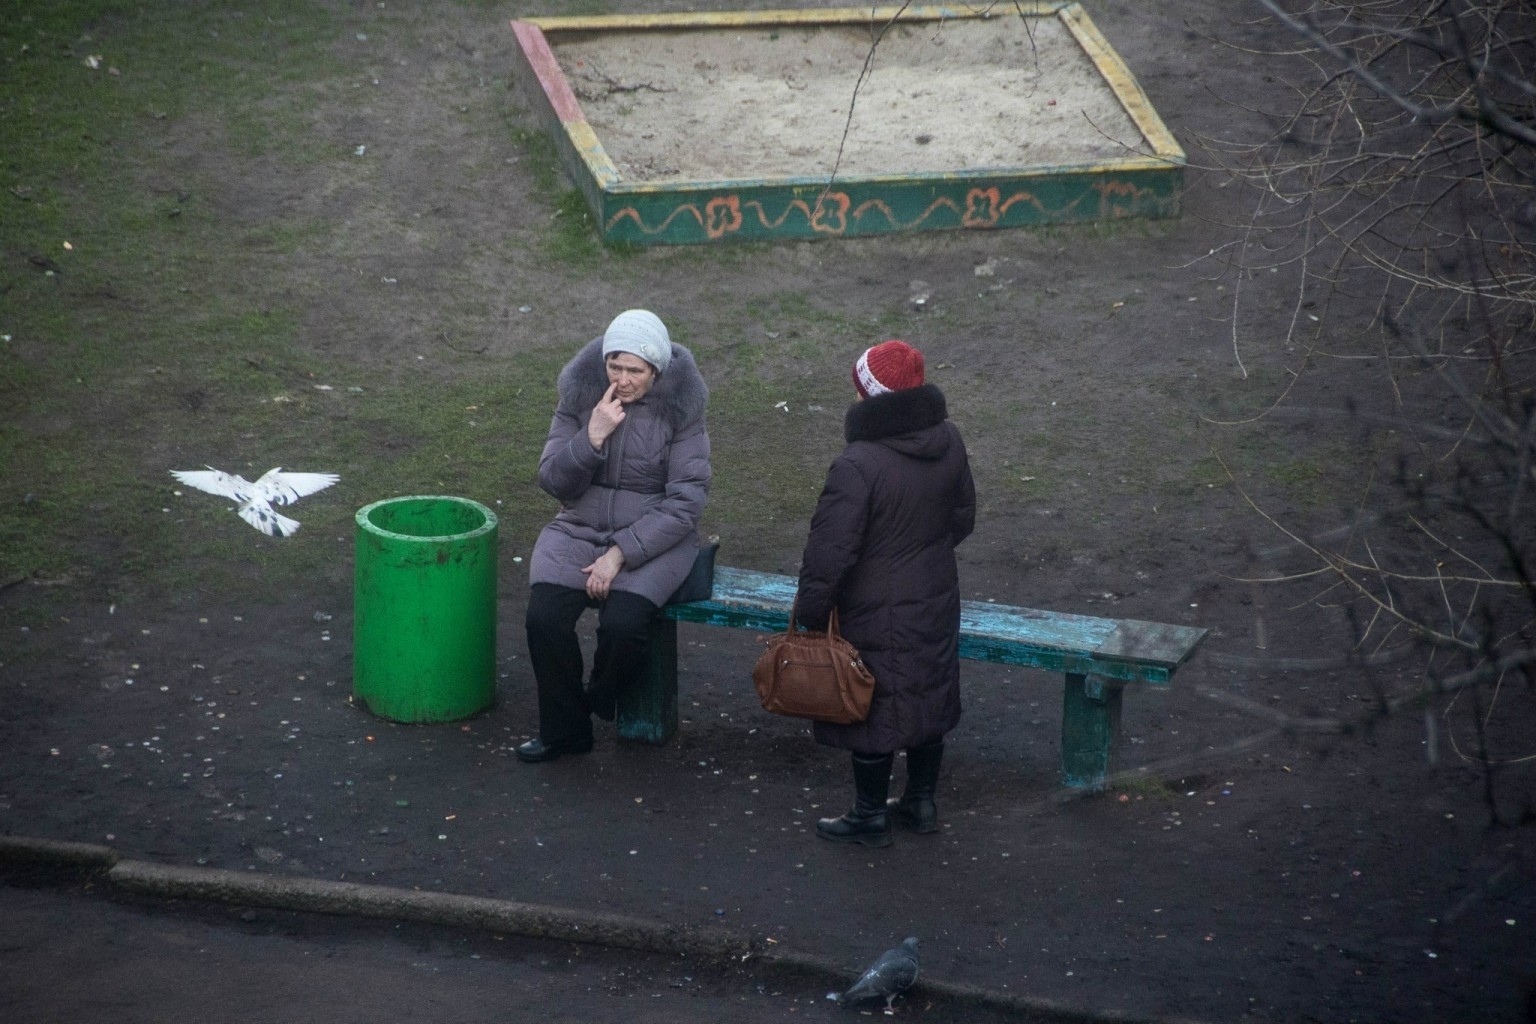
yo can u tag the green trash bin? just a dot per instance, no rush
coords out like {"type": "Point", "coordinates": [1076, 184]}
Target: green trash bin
{"type": "Point", "coordinates": [424, 631]}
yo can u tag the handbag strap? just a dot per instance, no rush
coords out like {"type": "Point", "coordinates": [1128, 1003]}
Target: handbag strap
{"type": "Point", "coordinates": [831, 619]}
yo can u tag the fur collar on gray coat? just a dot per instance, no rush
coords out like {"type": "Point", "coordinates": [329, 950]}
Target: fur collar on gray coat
{"type": "Point", "coordinates": [681, 391]}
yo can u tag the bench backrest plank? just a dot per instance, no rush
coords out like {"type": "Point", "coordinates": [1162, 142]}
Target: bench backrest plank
{"type": "Point", "coordinates": [1124, 649]}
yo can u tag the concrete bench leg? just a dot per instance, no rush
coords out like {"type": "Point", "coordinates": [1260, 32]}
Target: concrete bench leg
{"type": "Point", "coordinates": [647, 711]}
{"type": "Point", "coordinates": [1090, 730]}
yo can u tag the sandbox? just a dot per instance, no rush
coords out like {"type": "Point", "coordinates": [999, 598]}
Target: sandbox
{"type": "Point", "coordinates": [693, 128]}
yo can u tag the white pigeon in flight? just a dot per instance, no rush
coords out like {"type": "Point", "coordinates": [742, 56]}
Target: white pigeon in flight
{"type": "Point", "coordinates": [256, 499]}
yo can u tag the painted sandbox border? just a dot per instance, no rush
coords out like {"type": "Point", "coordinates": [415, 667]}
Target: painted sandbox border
{"type": "Point", "coordinates": [757, 209]}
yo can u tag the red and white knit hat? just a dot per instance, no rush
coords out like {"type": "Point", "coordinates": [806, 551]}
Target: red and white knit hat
{"type": "Point", "coordinates": [889, 366]}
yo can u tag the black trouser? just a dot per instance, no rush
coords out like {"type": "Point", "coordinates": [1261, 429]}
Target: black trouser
{"type": "Point", "coordinates": [623, 631]}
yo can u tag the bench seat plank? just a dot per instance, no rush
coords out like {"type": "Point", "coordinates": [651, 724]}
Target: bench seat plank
{"type": "Point", "coordinates": [1122, 649]}
{"type": "Point", "coordinates": [1096, 657]}
{"type": "Point", "coordinates": [1151, 643]}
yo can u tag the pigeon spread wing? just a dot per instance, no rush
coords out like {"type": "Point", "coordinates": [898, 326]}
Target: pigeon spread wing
{"type": "Point", "coordinates": [275, 487]}
{"type": "Point", "coordinates": [892, 973]}
{"type": "Point", "coordinates": [215, 481]}
{"type": "Point", "coordinates": [281, 488]}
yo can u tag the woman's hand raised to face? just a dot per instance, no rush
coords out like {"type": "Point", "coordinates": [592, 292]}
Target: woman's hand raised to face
{"type": "Point", "coordinates": [606, 417]}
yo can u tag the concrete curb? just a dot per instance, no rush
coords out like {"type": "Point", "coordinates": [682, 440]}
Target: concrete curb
{"type": "Point", "coordinates": [24, 849]}
{"type": "Point", "coordinates": [717, 946]}
{"type": "Point", "coordinates": [378, 901]}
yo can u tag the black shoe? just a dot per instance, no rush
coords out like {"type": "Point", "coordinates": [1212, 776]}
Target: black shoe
{"type": "Point", "coordinates": [868, 823]}
{"type": "Point", "coordinates": [536, 751]}
{"type": "Point", "coordinates": [914, 814]}
{"type": "Point", "coordinates": [915, 811]}
{"type": "Point", "coordinates": [853, 827]}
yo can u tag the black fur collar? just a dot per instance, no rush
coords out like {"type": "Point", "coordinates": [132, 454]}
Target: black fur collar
{"type": "Point", "coordinates": [680, 390]}
{"type": "Point", "coordinates": [895, 413]}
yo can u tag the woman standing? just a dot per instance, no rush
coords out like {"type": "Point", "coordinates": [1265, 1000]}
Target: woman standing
{"type": "Point", "coordinates": [881, 550]}
{"type": "Point", "coordinates": [628, 458]}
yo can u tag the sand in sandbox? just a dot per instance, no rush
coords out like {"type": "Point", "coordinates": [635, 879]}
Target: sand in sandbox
{"type": "Point", "coordinates": [941, 96]}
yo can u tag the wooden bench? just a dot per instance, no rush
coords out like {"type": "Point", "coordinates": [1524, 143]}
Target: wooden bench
{"type": "Point", "coordinates": [1097, 656]}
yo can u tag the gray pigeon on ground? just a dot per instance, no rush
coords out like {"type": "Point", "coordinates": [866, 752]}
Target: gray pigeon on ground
{"type": "Point", "coordinates": [275, 487]}
{"type": "Point", "coordinates": [892, 973]}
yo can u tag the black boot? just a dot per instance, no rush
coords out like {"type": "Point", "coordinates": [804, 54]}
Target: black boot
{"type": "Point", "coordinates": [869, 822]}
{"type": "Point", "coordinates": [915, 810]}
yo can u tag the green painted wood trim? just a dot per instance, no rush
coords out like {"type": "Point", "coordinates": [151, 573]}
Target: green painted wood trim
{"type": "Point", "coordinates": [647, 713]}
{"type": "Point", "coordinates": [1090, 731]}
{"type": "Point", "coordinates": [693, 214]}
{"type": "Point", "coordinates": [1126, 650]}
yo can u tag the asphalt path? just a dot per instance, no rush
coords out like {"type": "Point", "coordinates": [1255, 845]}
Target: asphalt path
{"type": "Point", "coordinates": [74, 956]}
{"type": "Point", "coordinates": [74, 950]}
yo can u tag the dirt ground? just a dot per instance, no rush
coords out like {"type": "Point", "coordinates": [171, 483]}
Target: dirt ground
{"type": "Point", "coordinates": [1260, 877]}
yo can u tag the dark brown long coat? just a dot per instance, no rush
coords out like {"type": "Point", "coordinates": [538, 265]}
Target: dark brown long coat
{"type": "Point", "coordinates": [896, 503]}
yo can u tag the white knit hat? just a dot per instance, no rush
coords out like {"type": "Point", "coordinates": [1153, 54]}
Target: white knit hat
{"type": "Point", "coordinates": [640, 333]}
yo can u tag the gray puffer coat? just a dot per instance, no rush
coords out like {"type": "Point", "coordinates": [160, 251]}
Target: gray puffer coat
{"type": "Point", "coordinates": [881, 550]}
{"type": "Point", "coordinates": [645, 491]}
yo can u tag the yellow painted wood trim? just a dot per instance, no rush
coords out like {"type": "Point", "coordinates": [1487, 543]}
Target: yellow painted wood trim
{"type": "Point", "coordinates": [1124, 84]}
{"type": "Point", "coordinates": [790, 18]}
{"type": "Point", "coordinates": [1035, 173]}
{"type": "Point", "coordinates": [592, 153]}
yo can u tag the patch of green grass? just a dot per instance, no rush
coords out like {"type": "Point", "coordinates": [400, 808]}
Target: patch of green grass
{"type": "Point", "coordinates": [776, 417]}
{"type": "Point", "coordinates": [1206, 472]}
{"type": "Point", "coordinates": [554, 8]}
{"type": "Point", "coordinates": [1146, 787]}
{"type": "Point", "coordinates": [797, 331]}
{"type": "Point", "coordinates": [148, 330]}
{"type": "Point", "coordinates": [1096, 231]}
{"type": "Point", "coordinates": [1296, 473]}
{"type": "Point", "coordinates": [1015, 484]}
{"type": "Point", "coordinates": [77, 159]}
{"type": "Point", "coordinates": [539, 158]}
{"type": "Point", "coordinates": [573, 237]}
{"type": "Point", "coordinates": [286, 238]}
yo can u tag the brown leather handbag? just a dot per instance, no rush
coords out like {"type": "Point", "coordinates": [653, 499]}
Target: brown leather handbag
{"type": "Point", "coordinates": [815, 675]}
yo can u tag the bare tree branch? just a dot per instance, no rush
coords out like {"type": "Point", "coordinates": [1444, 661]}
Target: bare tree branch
{"type": "Point", "coordinates": [1485, 111]}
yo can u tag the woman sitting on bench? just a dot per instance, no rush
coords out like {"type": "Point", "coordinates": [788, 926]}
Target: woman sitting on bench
{"type": "Point", "coordinates": [628, 458]}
